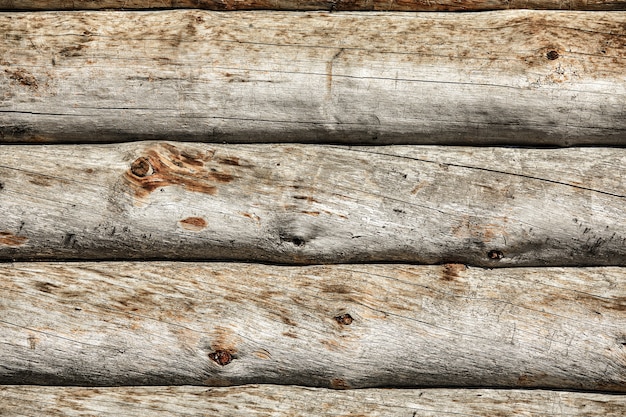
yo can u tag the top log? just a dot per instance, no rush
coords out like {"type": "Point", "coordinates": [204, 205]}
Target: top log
{"type": "Point", "coordinates": [495, 78]}
{"type": "Point", "coordinates": [327, 5]}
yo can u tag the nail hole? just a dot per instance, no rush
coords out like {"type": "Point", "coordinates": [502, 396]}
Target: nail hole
{"type": "Point", "coordinates": [141, 167]}
{"type": "Point", "coordinates": [345, 319]}
{"type": "Point", "coordinates": [495, 255]}
{"type": "Point", "coordinates": [221, 357]}
{"type": "Point", "coordinates": [552, 55]}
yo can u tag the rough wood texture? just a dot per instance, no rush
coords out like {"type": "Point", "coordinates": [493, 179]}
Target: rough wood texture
{"type": "Point", "coordinates": [510, 77]}
{"type": "Point", "coordinates": [343, 326]}
{"type": "Point", "coordinates": [328, 5]}
{"type": "Point", "coordinates": [273, 400]}
{"type": "Point", "coordinates": [314, 204]}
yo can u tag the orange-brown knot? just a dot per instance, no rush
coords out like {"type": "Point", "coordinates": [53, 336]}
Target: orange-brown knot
{"type": "Point", "coordinates": [141, 167]}
{"type": "Point", "coordinates": [221, 357]}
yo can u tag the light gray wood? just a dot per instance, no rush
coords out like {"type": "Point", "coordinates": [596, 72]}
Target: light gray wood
{"type": "Point", "coordinates": [509, 77]}
{"type": "Point", "coordinates": [314, 204]}
{"type": "Point", "coordinates": [328, 5]}
{"type": "Point", "coordinates": [272, 400]}
{"type": "Point", "coordinates": [343, 326]}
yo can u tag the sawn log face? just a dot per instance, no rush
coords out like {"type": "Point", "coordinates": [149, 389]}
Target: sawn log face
{"type": "Point", "coordinates": [343, 326]}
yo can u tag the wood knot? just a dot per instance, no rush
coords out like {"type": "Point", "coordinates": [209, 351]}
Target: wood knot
{"type": "Point", "coordinates": [552, 55]}
{"type": "Point", "coordinates": [141, 167]}
{"type": "Point", "coordinates": [221, 357]}
{"type": "Point", "coordinates": [496, 255]}
{"type": "Point", "coordinates": [345, 319]}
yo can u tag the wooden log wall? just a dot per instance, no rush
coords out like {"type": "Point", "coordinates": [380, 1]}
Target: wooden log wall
{"type": "Point", "coordinates": [432, 213]}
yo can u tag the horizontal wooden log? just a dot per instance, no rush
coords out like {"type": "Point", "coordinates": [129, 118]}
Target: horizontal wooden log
{"type": "Point", "coordinates": [343, 326]}
{"type": "Point", "coordinates": [314, 204]}
{"type": "Point", "coordinates": [271, 400]}
{"type": "Point", "coordinates": [510, 77]}
{"type": "Point", "coordinates": [327, 5]}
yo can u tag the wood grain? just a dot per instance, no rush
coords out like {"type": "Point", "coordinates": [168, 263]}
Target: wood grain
{"type": "Point", "coordinates": [508, 77]}
{"type": "Point", "coordinates": [301, 204]}
{"type": "Point", "coordinates": [343, 326]}
{"type": "Point", "coordinates": [327, 5]}
{"type": "Point", "coordinates": [271, 400]}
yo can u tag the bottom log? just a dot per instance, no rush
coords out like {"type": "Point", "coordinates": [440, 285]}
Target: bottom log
{"type": "Point", "coordinates": [339, 326]}
{"type": "Point", "coordinates": [275, 400]}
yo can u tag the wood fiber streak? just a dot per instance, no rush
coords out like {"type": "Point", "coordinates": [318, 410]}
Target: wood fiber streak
{"type": "Point", "coordinates": [269, 400]}
{"type": "Point", "coordinates": [154, 323]}
{"type": "Point", "coordinates": [327, 5]}
{"type": "Point", "coordinates": [303, 204]}
{"type": "Point", "coordinates": [515, 77]}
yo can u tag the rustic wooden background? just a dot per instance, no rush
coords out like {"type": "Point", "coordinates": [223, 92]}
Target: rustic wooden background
{"type": "Point", "coordinates": [312, 207]}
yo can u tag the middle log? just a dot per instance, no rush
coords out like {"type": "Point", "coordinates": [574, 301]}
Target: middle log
{"type": "Point", "coordinates": [304, 204]}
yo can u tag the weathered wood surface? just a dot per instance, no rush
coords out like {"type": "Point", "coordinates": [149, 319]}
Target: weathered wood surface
{"type": "Point", "coordinates": [509, 77]}
{"type": "Point", "coordinates": [271, 400]}
{"type": "Point", "coordinates": [314, 204]}
{"type": "Point", "coordinates": [327, 5]}
{"type": "Point", "coordinates": [343, 326]}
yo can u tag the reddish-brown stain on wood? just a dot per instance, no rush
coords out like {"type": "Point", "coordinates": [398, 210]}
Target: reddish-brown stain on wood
{"type": "Point", "coordinates": [165, 165]}
{"type": "Point", "coordinates": [23, 77]}
{"type": "Point", "coordinates": [195, 224]}
{"type": "Point", "coordinates": [451, 271]}
{"type": "Point", "coordinates": [9, 239]}
{"type": "Point", "coordinates": [339, 383]}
